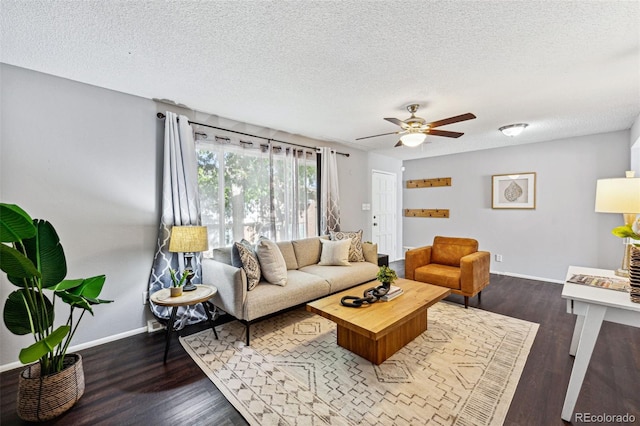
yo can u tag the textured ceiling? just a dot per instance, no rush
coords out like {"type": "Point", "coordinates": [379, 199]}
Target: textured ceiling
{"type": "Point", "coordinates": [333, 70]}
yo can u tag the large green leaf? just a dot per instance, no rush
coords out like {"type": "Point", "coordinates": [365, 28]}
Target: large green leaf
{"type": "Point", "coordinates": [44, 346]}
{"type": "Point", "coordinates": [25, 315]}
{"type": "Point", "coordinates": [46, 252]}
{"type": "Point", "coordinates": [74, 300]}
{"type": "Point", "coordinates": [15, 264]}
{"type": "Point", "coordinates": [15, 224]}
{"type": "Point", "coordinates": [90, 287]}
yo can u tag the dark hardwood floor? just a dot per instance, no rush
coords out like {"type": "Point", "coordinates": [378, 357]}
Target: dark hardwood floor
{"type": "Point", "coordinates": [127, 382]}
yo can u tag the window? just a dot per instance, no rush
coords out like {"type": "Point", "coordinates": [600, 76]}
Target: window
{"type": "Point", "coordinates": [248, 192]}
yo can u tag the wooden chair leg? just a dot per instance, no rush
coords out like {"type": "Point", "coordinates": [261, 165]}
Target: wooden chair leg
{"type": "Point", "coordinates": [248, 333]}
{"type": "Point", "coordinates": [466, 302]}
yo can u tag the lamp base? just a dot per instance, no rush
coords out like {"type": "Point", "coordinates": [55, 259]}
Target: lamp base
{"type": "Point", "coordinates": [622, 272]}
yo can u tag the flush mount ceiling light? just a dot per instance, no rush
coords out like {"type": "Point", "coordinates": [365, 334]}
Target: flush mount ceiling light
{"type": "Point", "coordinates": [513, 129]}
{"type": "Point", "coordinates": [412, 139]}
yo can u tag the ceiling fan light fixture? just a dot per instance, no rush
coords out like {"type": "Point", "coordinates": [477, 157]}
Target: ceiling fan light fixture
{"type": "Point", "coordinates": [513, 129]}
{"type": "Point", "coordinates": [413, 139]}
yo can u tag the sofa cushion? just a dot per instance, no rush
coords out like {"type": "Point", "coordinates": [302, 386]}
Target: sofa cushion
{"type": "Point", "coordinates": [355, 250]}
{"type": "Point", "coordinates": [370, 252]}
{"type": "Point", "coordinates": [341, 278]}
{"type": "Point", "coordinates": [448, 251]}
{"type": "Point", "coordinates": [272, 264]}
{"type": "Point", "coordinates": [335, 252]}
{"type": "Point", "coordinates": [250, 263]}
{"type": "Point", "coordinates": [268, 298]}
{"type": "Point", "coordinates": [442, 275]}
{"type": "Point", "coordinates": [307, 251]}
{"type": "Point", "coordinates": [286, 248]}
{"type": "Point", "coordinates": [235, 257]}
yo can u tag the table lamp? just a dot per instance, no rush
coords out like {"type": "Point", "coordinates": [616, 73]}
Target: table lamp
{"type": "Point", "coordinates": [188, 240]}
{"type": "Point", "coordinates": [620, 195]}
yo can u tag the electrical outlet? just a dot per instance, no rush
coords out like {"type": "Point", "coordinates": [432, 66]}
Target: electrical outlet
{"type": "Point", "coordinates": [145, 297]}
{"type": "Point", "coordinates": [153, 326]}
{"type": "Point", "coordinates": [498, 258]}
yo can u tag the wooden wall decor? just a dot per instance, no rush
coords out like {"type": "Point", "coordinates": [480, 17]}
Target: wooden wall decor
{"type": "Point", "coordinates": [429, 183]}
{"type": "Point", "coordinates": [443, 213]}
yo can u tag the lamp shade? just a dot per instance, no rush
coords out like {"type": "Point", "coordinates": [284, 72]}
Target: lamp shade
{"type": "Point", "coordinates": [618, 195]}
{"type": "Point", "coordinates": [413, 139]}
{"type": "Point", "coordinates": [188, 239]}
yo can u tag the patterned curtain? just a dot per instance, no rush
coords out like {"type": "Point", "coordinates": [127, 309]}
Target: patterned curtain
{"type": "Point", "coordinates": [180, 206]}
{"type": "Point", "coordinates": [329, 198]}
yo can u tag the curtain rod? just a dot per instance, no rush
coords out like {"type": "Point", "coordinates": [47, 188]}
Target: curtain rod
{"type": "Point", "coordinates": [161, 116]}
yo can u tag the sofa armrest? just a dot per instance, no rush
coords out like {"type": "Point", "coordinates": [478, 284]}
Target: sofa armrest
{"type": "Point", "coordinates": [231, 283]}
{"type": "Point", "coordinates": [474, 272]}
{"type": "Point", "coordinates": [415, 258]}
{"type": "Point", "coordinates": [370, 252]}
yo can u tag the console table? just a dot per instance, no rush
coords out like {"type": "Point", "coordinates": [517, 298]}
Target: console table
{"type": "Point", "coordinates": [592, 305]}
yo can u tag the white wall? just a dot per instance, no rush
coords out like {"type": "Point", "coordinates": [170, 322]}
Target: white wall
{"type": "Point", "coordinates": [85, 159]}
{"type": "Point", "coordinates": [563, 230]}
{"type": "Point", "coordinates": [89, 160]}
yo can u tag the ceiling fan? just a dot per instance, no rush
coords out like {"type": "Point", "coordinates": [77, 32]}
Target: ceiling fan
{"type": "Point", "coordinates": [415, 129]}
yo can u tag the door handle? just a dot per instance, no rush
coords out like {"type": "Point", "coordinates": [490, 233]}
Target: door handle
{"type": "Point", "coordinates": [375, 224]}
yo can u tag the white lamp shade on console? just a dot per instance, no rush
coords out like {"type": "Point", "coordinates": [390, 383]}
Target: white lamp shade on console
{"type": "Point", "coordinates": [619, 195]}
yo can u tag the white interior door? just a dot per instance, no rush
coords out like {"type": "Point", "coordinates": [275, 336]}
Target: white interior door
{"type": "Point", "coordinates": [383, 211]}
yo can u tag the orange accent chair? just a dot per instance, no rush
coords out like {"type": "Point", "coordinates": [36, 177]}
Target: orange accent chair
{"type": "Point", "coordinates": [450, 262]}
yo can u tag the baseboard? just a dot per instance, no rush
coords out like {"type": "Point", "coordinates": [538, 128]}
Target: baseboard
{"type": "Point", "coordinates": [528, 277]}
{"type": "Point", "coordinates": [82, 346]}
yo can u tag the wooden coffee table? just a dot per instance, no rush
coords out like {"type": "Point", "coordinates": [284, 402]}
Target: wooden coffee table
{"type": "Point", "coordinates": [377, 331]}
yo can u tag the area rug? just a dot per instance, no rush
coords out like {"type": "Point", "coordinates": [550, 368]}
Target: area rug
{"type": "Point", "coordinates": [462, 371]}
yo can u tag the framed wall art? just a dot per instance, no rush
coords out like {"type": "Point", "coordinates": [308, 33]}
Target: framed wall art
{"type": "Point", "coordinates": [513, 191]}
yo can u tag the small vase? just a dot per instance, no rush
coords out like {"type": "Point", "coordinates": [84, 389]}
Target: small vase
{"type": "Point", "coordinates": [634, 274]}
{"type": "Point", "coordinates": [386, 285]}
{"type": "Point", "coordinates": [42, 398]}
{"type": "Point", "coordinates": [176, 291]}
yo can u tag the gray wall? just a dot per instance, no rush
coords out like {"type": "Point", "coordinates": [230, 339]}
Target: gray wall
{"type": "Point", "coordinates": [563, 230]}
{"type": "Point", "coordinates": [85, 159]}
{"type": "Point", "coordinates": [89, 160]}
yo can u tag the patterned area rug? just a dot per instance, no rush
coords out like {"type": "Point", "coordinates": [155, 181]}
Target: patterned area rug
{"type": "Point", "coordinates": [462, 371]}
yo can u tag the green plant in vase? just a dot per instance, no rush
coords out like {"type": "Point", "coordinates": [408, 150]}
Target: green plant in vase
{"type": "Point", "coordinates": [386, 276]}
{"type": "Point", "coordinates": [33, 259]}
{"type": "Point", "coordinates": [176, 290]}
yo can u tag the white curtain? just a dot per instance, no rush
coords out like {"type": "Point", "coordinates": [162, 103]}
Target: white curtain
{"type": "Point", "coordinates": [180, 206]}
{"type": "Point", "coordinates": [329, 198]}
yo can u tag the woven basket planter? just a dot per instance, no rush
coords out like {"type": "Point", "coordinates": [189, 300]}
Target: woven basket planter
{"type": "Point", "coordinates": [44, 398]}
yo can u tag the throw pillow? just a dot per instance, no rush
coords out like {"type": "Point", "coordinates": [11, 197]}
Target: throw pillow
{"type": "Point", "coordinates": [335, 253]}
{"type": "Point", "coordinates": [355, 250]}
{"type": "Point", "coordinates": [250, 263]}
{"type": "Point", "coordinates": [272, 263]}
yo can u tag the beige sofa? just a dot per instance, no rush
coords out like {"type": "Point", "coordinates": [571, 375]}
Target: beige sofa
{"type": "Point", "coordinates": [306, 280]}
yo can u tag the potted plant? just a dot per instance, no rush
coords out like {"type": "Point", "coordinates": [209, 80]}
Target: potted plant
{"type": "Point", "coordinates": [176, 290]}
{"type": "Point", "coordinates": [386, 276]}
{"type": "Point", "coordinates": [33, 259]}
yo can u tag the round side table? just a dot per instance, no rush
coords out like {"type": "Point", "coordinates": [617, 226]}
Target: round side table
{"type": "Point", "coordinates": [201, 294]}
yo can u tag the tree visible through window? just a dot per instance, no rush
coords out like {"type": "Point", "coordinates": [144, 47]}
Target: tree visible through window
{"type": "Point", "coordinates": [247, 192]}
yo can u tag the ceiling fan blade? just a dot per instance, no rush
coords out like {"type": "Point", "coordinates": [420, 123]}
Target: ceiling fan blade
{"type": "Point", "coordinates": [451, 120]}
{"type": "Point", "coordinates": [398, 144]}
{"type": "Point", "coordinates": [444, 133]}
{"type": "Point", "coordinates": [375, 136]}
{"type": "Point", "coordinates": [397, 122]}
